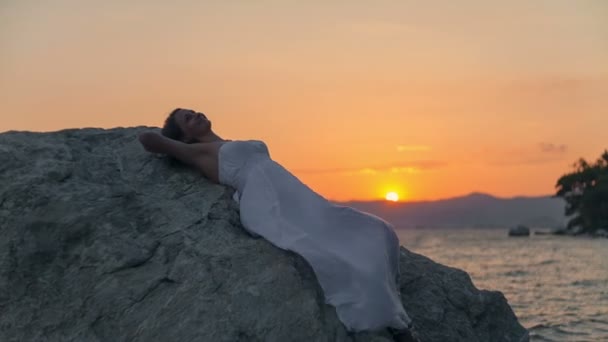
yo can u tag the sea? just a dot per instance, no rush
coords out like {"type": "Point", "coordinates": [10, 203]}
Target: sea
{"type": "Point", "coordinates": [556, 285]}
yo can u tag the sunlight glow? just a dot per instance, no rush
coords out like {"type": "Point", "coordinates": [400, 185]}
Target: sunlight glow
{"type": "Point", "coordinates": [392, 196]}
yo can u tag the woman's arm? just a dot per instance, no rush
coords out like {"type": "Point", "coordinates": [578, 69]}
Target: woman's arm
{"type": "Point", "coordinates": [186, 153]}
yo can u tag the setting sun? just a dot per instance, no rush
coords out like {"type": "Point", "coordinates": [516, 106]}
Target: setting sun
{"type": "Point", "coordinates": [392, 196]}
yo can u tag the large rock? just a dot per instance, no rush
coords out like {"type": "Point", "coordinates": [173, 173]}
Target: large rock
{"type": "Point", "coordinates": [101, 241]}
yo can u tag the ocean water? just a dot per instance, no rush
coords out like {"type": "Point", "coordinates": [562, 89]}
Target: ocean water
{"type": "Point", "coordinates": [557, 286]}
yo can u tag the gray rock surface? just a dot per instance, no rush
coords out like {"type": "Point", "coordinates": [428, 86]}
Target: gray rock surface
{"type": "Point", "coordinates": [102, 241]}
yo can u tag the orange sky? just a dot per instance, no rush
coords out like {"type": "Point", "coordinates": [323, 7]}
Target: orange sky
{"type": "Point", "coordinates": [431, 99]}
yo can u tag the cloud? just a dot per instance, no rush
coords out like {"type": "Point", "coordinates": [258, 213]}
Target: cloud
{"type": "Point", "coordinates": [552, 148]}
{"type": "Point", "coordinates": [410, 167]}
{"type": "Point", "coordinates": [543, 153]}
{"type": "Point", "coordinates": [368, 171]}
{"type": "Point", "coordinates": [524, 161]}
{"type": "Point", "coordinates": [413, 148]}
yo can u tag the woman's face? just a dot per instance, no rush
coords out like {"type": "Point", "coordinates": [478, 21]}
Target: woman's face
{"type": "Point", "coordinates": [193, 124]}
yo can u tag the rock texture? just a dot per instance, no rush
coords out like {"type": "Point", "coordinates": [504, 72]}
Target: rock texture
{"type": "Point", "coordinates": [101, 241]}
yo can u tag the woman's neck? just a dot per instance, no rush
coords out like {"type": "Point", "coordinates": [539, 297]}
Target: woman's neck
{"type": "Point", "coordinates": [210, 137]}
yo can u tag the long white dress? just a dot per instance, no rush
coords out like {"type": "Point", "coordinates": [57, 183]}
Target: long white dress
{"type": "Point", "coordinates": [355, 255]}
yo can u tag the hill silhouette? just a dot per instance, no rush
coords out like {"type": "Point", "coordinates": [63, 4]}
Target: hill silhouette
{"type": "Point", "coordinates": [476, 210]}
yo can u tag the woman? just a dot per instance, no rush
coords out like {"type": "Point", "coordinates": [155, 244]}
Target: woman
{"type": "Point", "coordinates": [355, 255]}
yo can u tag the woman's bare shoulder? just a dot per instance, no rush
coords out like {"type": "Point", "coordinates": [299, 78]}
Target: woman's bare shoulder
{"type": "Point", "coordinates": [209, 147]}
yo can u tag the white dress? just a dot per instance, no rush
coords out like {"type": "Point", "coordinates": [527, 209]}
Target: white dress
{"type": "Point", "coordinates": [355, 255]}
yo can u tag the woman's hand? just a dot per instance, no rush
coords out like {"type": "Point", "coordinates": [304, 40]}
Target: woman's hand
{"type": "Point", "coordinates": [151, 141]}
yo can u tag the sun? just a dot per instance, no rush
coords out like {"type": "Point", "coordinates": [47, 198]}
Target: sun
{"type": "Point", "coordinates": [392, 196]}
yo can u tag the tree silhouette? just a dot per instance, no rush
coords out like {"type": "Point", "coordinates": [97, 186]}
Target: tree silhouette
{"type": "Point", "coordinates": [585, 191]}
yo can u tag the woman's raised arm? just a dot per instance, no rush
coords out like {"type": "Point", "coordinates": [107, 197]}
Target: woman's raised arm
{"type": "Point", "coordinates": [186, 153]}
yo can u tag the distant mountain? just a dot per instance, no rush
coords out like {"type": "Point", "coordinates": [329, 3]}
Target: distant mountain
{"type": "Point", "coordinates": [475, 210]}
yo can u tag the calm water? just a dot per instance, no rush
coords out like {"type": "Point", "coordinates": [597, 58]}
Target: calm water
{"type": "Point", "coordinates": [557, 286]}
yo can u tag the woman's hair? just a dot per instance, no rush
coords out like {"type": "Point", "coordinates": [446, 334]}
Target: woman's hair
{"type": "Point", "coordinates": [170, 129]}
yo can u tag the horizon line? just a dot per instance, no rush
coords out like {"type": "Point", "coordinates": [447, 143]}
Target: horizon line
{"type": "Point", "coordinates": [473, 193]}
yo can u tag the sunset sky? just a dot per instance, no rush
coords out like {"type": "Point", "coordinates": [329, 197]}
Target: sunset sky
{"type": "Point", "coordinates": [429, 99]}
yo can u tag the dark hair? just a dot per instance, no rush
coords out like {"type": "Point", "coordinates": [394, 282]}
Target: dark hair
{"type": "Point", "coordinates": [170, 129]}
